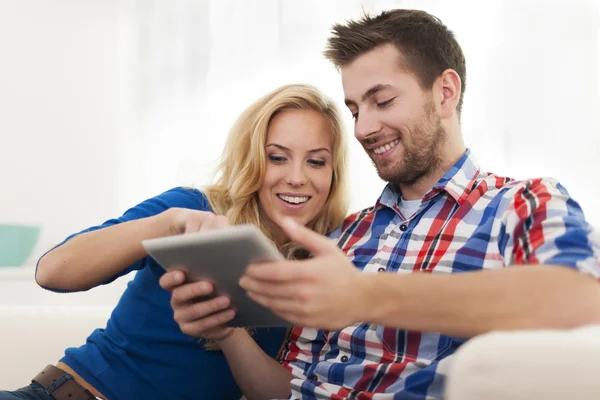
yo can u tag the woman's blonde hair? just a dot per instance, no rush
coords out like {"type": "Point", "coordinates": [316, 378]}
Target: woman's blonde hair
{"type": "Point", "coordinates": [242, 166]}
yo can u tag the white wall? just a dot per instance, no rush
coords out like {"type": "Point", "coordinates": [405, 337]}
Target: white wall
{"type": "Point", "coordinates": [58, 114]}
{"type": "Point", "coordinates": [106, 102]}
{"type": "Point", "coordinates": [530, 107]}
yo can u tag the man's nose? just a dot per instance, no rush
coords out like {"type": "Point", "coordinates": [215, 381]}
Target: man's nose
{"type": "Point", "coordinates": [366, 124]}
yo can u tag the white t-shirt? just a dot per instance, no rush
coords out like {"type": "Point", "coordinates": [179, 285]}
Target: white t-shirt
{"type": "Point", "coordinates": [409, 207]}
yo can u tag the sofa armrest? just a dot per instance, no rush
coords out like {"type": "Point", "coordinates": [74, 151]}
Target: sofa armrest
{"type": "Point", "coordinates": [520, 365]}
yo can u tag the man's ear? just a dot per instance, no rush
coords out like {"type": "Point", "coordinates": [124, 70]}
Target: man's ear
{"type": "Point", "coordinates": [450, 88]}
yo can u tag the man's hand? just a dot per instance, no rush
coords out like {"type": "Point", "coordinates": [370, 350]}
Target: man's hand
{"type": "Point", "coordinates": [325, 291]}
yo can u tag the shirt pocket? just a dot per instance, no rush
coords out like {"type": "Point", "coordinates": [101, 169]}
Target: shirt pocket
{"type": "Point", "coordinates": [414, 346]}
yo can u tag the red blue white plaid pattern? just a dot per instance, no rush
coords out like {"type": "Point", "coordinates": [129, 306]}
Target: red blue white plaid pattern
{"type": "Point", "coordinates": [469, 221]}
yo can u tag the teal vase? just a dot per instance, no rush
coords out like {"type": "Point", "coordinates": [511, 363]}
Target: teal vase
{"type": "Point", "coordinates": [17, 243]}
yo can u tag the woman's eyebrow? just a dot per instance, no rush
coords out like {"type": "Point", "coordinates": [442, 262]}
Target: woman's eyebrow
{"type": "Point", "coordinates": [286, 149]}
{"type": "Point", "coordinates": [278, 146]}
{"type": "Point", "coordinates": [320, 149]}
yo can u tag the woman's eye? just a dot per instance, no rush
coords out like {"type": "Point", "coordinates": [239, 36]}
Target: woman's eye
{"type": "Point", "coordinates": [385, 103]}
{"type": "Point", "coordinates": [277, 159]}
{"type": "Point", "coordinates": [355, 116]}
{"type": "Point", "coordinates": [318, 163]}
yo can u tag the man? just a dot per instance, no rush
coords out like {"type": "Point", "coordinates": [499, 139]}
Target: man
{"type": "Point", "coordinates": [446, 253]}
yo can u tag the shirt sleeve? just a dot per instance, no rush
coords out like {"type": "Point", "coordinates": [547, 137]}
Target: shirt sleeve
{"type": "Point", "coordinates": [542, 224]}
{"type": "Point", "coordinates": [301, 350]}
{"type": "Point", "coordinates": [177, 197]}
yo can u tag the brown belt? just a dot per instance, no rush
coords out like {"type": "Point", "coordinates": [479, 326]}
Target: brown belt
{"type": "Point", "coordinates": [67, 390]}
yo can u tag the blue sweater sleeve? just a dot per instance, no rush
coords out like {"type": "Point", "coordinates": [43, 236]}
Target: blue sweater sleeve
{"type": "Point", "coordinates": [176, 197]}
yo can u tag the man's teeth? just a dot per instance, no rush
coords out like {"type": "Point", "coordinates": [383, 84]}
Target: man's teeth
{"type": "Point", "coordinates": [384, 148]}
{"type": "Point", "coordinates": [294, 200]}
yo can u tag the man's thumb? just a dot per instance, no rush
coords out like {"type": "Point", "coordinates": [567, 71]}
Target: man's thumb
{"type": "Point", "coordinates": [312, 241]}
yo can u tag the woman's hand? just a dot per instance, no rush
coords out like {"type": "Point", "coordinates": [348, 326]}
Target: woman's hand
{"type": "Point", "coordinates": [184, 220]}
{"type": "Point", "coordinates": [195, 313]}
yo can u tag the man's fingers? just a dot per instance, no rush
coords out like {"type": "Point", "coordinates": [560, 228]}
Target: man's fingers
{"type": "Point", "coordinates": [291, 290]}
{"type": "Point", "coordinates": [291, 310]}
{"type": "Point", "coordinates": [278, 304]}
{"type": "Point", "coordinates": [191, 291]}
{"type": "Point", "coordinates": [312, 241]}
{"type": "Point", "coordinates": [287, 271]}
{"type": "Point", "coordinates": [283, 271]}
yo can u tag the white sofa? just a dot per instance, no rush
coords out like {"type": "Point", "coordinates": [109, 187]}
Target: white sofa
{"type": "Point", "coordinates": [35, 336]}
{"type": "Point", "coordinates": [548, 365]}
{"type": "Point", "coordinates": [36, 326]}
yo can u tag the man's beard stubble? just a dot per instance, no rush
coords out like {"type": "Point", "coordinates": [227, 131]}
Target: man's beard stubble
{"type": "Point", "coordinates": [423, 157]}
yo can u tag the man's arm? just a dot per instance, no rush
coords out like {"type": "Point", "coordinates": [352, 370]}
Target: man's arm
{"type": "Point", "coordinates": [327, 291]}
{"type": "Point", "coordinates": [471, 303]}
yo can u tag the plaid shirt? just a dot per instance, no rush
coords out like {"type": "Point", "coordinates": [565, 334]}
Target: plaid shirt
{"type": "Point", "coordinates": [469, 221]}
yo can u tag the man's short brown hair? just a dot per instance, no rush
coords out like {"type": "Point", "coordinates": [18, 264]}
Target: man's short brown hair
{"type": "Point", "coordinates": [427, 45]}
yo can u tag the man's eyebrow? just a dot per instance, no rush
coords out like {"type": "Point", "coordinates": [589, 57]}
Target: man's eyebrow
{"type": "Point", "coordinates": [369, 93]}
{"type": "Point", "coordinates": [286, 149]}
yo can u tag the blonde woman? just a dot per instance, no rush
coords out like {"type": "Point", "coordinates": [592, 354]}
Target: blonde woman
{"type": "Point", "coordinates": [285, 157]}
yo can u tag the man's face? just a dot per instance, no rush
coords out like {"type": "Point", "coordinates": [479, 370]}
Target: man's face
{"type": "Point", "coordinates": [395, 120]}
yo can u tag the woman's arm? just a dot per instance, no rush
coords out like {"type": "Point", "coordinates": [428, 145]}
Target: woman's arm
{"type": "Point", "coordinates": [256, 373]}
{"type": "Point", "coordinates": [94, 257]}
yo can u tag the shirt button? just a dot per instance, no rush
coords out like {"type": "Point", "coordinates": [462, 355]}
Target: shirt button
{"type": "Point", "coordinates": [344, 359]}
{"type": "Point", "coordinates": [380, 269]}
{"type": "Point", "coordinates": [314, 378]}
{"type": "Point", "coordinates": [403, 227]}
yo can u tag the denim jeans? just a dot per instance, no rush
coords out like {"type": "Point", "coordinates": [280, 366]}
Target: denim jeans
{"type": "Point", "coordinates": [35, 391]}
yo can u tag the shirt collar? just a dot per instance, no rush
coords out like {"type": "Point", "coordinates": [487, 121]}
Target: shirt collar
{"type": "Point", "coordinates": [457, 182]}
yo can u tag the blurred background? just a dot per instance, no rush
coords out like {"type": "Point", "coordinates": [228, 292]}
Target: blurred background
{"type": "Point", "coordinates": [104, 103]}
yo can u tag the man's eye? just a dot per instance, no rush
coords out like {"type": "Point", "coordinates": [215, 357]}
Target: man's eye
{"type": "Point", "coordinates": [385, 103]}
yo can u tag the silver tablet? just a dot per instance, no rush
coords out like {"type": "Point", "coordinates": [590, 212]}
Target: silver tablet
{"type": "Point", "coordinates": [221, 256]}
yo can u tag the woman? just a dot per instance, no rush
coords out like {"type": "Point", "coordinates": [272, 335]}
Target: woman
{"type": "Point", "coordinates": [285, 157]}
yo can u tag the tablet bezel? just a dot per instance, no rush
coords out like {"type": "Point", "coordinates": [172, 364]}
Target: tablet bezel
{"type": "Point", "coordinates": [221, 257]}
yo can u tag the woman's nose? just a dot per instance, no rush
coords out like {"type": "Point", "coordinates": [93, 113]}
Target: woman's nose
{"type": "Point", "coordinates": [296, 176]}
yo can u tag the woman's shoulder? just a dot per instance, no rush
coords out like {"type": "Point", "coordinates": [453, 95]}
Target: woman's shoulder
{"type": "Point", "coordinates": [184, 197]}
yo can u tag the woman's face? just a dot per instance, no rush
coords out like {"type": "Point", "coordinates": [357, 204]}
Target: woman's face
{"type": "Point", "coordinates": [299, 166]}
